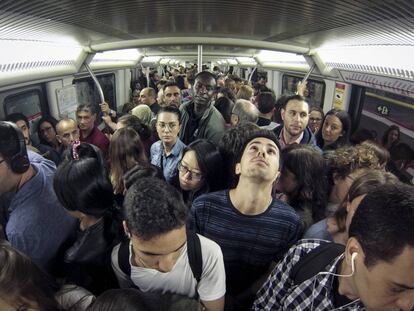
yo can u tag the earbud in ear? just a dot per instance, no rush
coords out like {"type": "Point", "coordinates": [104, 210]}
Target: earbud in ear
{"type": "Point", "coordinates": [353, 257]}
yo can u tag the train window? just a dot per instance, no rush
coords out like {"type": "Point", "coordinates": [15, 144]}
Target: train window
{"type": "Point", "coordinates": [316, 89]}
{"type": "Point", "coordinates": [382, 109]}
{"type": "Point", "coordinates": [28, 102]}
{"type": "Point", "coordinates": [88, 93]}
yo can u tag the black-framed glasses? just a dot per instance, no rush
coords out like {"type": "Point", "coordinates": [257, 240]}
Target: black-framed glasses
{"type": "Point", "coordinates": [193, 175]}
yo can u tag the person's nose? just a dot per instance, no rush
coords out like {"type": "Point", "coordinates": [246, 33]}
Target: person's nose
{"type": "Point", "coordinates": [166, 263]}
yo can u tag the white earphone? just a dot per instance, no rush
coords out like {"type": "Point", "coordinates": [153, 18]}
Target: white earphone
{"type": "Point", "coordinates": [353, 256]}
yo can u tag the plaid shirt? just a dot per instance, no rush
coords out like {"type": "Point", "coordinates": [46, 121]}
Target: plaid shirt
{"type": "Point", "coordinates": [314, 294]}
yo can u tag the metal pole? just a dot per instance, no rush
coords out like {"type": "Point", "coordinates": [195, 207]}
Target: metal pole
{"type": "Point", "coordinates": [200, 58]}
{"type": "Point", "coordinates": [98, 86]}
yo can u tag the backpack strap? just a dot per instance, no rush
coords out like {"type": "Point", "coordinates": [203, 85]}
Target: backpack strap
{"type": "Point", "coordinates": [123, 258]}
{"type": "Point", "coordinates": [195, 257]}
{"type": "Point", "coordinates": [315, 261]}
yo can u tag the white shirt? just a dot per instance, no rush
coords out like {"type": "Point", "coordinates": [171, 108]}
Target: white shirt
{"type": "Point", "coordinates": [180, 280]}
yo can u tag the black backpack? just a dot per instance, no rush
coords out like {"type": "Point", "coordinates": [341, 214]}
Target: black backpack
{"type": "Point", "coordinates": [193, 251]}
{"type": "Point", "coordinates": [315, 261]}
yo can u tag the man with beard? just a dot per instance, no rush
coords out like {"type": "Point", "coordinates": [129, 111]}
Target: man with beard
{"type": "Point", "coordinates": [199, 117]}
{"type": "Point", "coordinates": [295, 116]}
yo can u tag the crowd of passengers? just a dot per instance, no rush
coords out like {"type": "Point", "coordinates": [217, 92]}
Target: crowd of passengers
{"type": "Point", "coordinates": [204, 193]}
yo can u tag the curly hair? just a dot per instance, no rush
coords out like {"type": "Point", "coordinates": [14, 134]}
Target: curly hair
{"type": "Point", "coordinates": [152, 207]}
{"type": "Point", "coordinates": [347, 159]}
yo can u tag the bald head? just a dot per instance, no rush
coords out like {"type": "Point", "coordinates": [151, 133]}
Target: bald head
{"type": "Point", "coordinates": [244, 111]}
{"type": "Point", "coordinates": [67, 131]}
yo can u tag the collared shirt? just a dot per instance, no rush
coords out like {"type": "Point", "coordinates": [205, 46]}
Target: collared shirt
{"type": "Point", "coordinates": [169, 163]}
{"type": "Point", "coordinates": [315, 294]}
{"type": "Point", "coordinates": [282, 141]}
{"type": "Point", "coordinates": [97, 138]}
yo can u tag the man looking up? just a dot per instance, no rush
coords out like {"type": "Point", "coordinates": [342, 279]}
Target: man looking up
{"type": "Point", "coordinates": [295, 116]}
{"type": "Point", "coordinates": [199, 117]}
{"type": "Point", "coordinates": [172, 94]}
{"type": "Point", "coordinates": [252, 228]}
{"type": "Point", "coordinates": [89, 132]}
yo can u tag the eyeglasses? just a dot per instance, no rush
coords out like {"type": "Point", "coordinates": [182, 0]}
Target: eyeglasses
{"type": "Point", "coordinates": [171, 126]}
{"type": "Point", "coordinates": [193, 175]}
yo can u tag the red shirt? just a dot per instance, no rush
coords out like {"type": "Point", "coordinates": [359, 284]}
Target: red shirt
{"type": "Point", "coordinates": [97, 138]}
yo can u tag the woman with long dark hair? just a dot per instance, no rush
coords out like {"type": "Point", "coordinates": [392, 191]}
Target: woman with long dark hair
{"type": "Point", "coordinates": [200, 170]}
{"type": "Point", "coordinates": [46, 130]}
{"type": "Point", "coordinates": [85, 191]}
{"type": "Point", "coordinates": [335, 131]}
{"type": "Point", "coordinates": [391, 137]}
{"type": "Point", "coordinates": [304, 182]}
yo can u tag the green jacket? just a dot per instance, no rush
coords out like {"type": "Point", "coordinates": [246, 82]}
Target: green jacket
{"type": "Point", "coordinates": [211, 125]}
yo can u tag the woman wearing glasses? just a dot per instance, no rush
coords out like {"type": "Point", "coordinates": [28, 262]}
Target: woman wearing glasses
{"type": "Point", "coordinates": [200, 170]}
{"type": "Point", "coordinates": [166, 153]}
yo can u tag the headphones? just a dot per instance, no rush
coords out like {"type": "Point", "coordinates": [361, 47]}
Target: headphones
{"type": "Point", "coordinates": [19, 162]}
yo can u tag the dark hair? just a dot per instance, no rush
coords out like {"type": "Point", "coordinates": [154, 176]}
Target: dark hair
{"type": "Point", "coordinates": [17, 116]}
{"type": "Point", "coordinates": [91, 108]}
{"type": "Point", "coordinates": [211, 165]}
{"type": "Point", "coordinates": [127, 299]}
{"type": "Point", "coordinates": [383, 222]}
{"type": "Point", "coordinates": [153, 207]}
{"type": "Point", "coordinates": [345, 120]}
{"type": "Point", "coordinates": [132, 121]}
{"type": "Point", "coordinates": [180, 82]}
{"type": "Point", "coordinates": [141, 170]}
{"type": "Point", "coordinates": [255, 134]}
{"type": "Point", "coordinates": [385, 136]}
{"type": "Point", "coordinates": [224, 105]}
{"type": "Point", "coordinates": [318, 109]}
{"type": "Point", "coordinates": [52, 122]}
{"type": "Point", "coordinates": [170, 109]}
{"type": "Point", "coordinates": [170, 84]}
{"type": "Point", "coordinates": [227, 93]}
{"type": "Point", "coordinates": [206, 74]}
{"type": "Point", "coordinates": [308, 166]}
{"type": "Point", "coordinates": [292, 97]}
{"type": "Point", "coordinates": [266, 102]}
{"type": "Point", "coordinates": [83, 185]}
{"type": "Point", "coordinates": [230, 146]}
{"type": "Point", "coordinates": [9, 141]}
{"type": "Point", "coordinates": [364, 184]}
{"type": "Point", "coordinates": [22, 280]}
{"type": "Point", "coordinates": [362, 135]}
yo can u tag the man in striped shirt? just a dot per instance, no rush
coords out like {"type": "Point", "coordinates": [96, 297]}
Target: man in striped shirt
{"type": "Point", "coordinates": [252, 228]}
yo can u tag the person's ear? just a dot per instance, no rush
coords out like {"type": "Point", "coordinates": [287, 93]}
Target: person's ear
{"type": "Point", "coordinates": [238, 169]}
{"type": "Point", "coordinates": [124, 224]}
{"type": "Point", "coordinates": [282, 114]}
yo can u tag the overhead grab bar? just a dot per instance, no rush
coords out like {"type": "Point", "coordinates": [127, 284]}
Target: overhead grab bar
{"type": "Point", "coordinates": [98, 86]}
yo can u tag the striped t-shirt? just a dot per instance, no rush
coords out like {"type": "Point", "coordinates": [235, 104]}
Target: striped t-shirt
{"type": "Point", "coordinates": [249, 242]}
